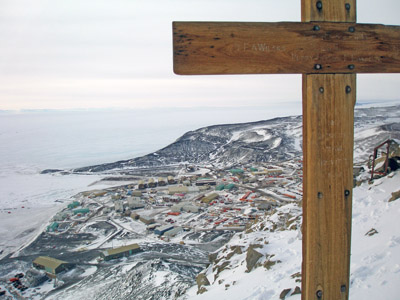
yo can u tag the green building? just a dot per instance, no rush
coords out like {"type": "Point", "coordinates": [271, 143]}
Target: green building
{"type": "Point", "coordinates": [236, 171]}
{"type": "Point", "coordinates": [220, 187]}
{"type": "Point", "coordinates": [123, 251]}
{"type": "Point", "coordinates": [52, 227]}
{"type": "Point", "coordinates": [73, 205]}
{"type": "Point", "coordinates": [207, 199]}
{"type": "Point", "coordinates": [51, 265]}
{"type": "Point", "coordinates": [230, 187]}
{"type": "Point", "coordinates": [82, 211]}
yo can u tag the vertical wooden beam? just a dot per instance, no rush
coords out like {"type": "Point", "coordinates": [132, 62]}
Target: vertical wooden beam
{"type": "Point", "coordinates": [328, 10]}
{"type": "Point", "coordinates": [328, 121]}
{"type": "Point", "coordinates": [328, 137]}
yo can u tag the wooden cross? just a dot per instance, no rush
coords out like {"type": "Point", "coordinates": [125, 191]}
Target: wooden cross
{"type": "Point", "coordinates": [328, 47]}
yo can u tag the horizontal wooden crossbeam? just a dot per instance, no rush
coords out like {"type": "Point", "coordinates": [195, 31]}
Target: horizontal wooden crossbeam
{"type": "Point", "coordinates": [202, 48]}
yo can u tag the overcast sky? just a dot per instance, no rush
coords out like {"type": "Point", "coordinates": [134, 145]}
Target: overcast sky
{"type": "Point", "coordinates": [118, 53]}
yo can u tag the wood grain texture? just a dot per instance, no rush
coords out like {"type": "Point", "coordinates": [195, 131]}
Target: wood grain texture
{"type": "Point", "coordinates": [331, 10]}
{"type": "Point", "coordinates": [285, 48]}
{"type": "Point", "coordinates": [328, 138]}
{"type": "Point", "coordinates": [328, 121]}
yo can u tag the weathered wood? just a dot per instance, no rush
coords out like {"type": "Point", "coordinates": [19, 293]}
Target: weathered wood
{"type": "Point", "coordinates": [328, 48]}
{"type": "Point", "coordinates": [271, 48]}
{"type": "Point", "coordinates": [328, 121]}
{"type": "Point", "coordinates": [331, 10]}
{"type": "Point", "coordinates": [328, 138]}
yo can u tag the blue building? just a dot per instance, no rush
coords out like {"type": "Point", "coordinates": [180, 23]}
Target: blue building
{"type": "Point", "coordinates": [163, 229]}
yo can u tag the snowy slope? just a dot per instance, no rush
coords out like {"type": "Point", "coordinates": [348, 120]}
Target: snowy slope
{"type": "Point", "coordinates": [375, 260]}
{"type": "Point", "coordinates": [375, 268]}
{"type": "Point", "coordinates": [262, 141]}
{"type": "Point", "coordinates": [277, 139]}
{"type": "Point", "coordinates": [280, 245]}
{"type": "Point", "coordinates": [29, 200]}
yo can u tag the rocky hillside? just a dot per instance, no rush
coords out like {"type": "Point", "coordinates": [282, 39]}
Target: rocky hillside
{"type": "Point", "coordinates": [264, 262]}
{"type": "Point", "coordinates": [271, 140]}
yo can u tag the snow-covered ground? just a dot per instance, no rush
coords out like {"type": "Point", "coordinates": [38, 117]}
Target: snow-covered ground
{"type": "Point", "coordinates": [33, 141]}
{"type": "Point", "coordinates": [375, 259]}
{"type": "Point", "coordinates": [30, 199]}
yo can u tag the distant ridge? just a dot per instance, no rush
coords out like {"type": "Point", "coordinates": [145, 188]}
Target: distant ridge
{"type": "Point", "coordinates": [263, 141]}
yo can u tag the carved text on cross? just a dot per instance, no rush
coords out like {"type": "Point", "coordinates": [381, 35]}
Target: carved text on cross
{"type": "Point", "coordinates": [272, 48]}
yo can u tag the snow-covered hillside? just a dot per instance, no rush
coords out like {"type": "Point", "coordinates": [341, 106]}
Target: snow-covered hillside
{"type": "Point", "coordinates": [277, 139]}
{"type": "Point", "coordinates": [375, 260]}
{"type": "Point", "coordinates": [261, 262]}
{"type": "Point", "coordinates": [265, 261]}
